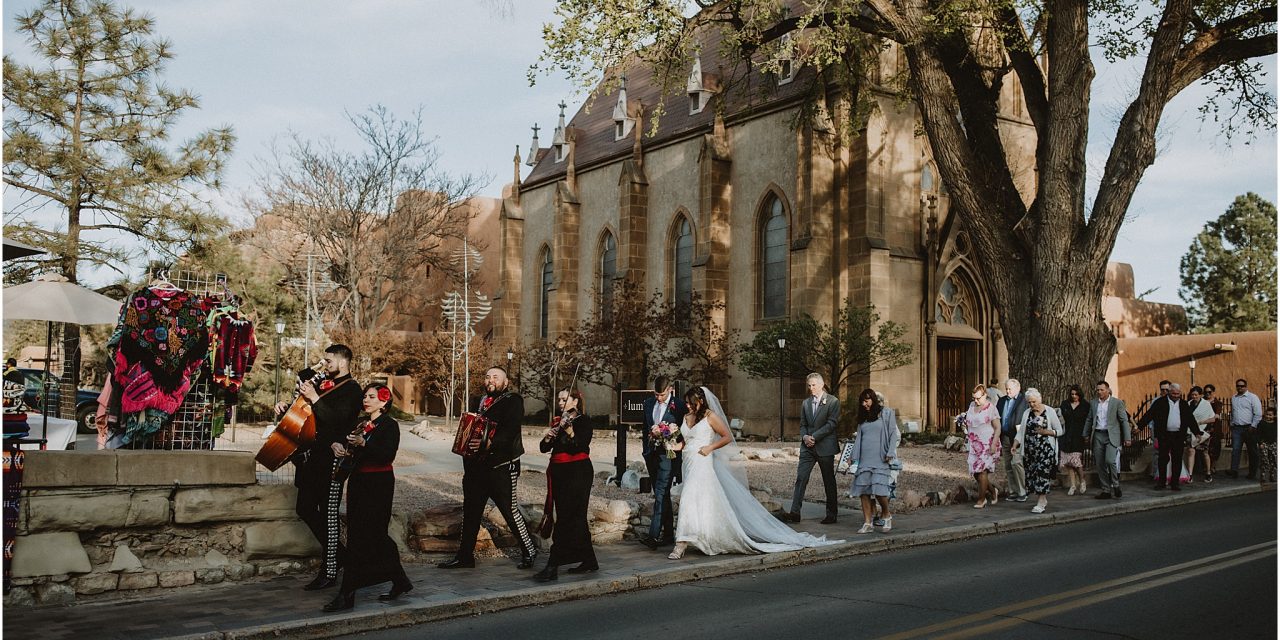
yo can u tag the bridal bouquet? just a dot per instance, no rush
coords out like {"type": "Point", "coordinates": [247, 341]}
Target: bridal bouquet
{"type": "Point", "coordinates": [668, 435]}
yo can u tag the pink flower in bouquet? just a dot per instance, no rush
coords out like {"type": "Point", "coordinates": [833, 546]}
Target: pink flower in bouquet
{"type": "Point", "coordinates": [668, 434]}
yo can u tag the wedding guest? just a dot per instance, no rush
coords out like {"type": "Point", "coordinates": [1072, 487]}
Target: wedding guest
{"type": "Point", "coordinates": [984, 445]}
{"type": "Point", "coordinates": [819, 416]}
{"type": "Point", "coordinates": [1246, 413]}
{"type": "Point", "coordinates": [569, 478]}
{"type": "Point", "coordinates": [1267, 446]}
{"type": "Point", "coordinates": [1075, 411]}
{"type": "Point", "coordinates": [1037, 436]}
{"type": "Point", "coordinates": [1170, 419]}
{"type": "Point", "coordinates": [877, 447]}
{"type": "Point", "coordinates": [1107, 428]}
{"type": "Point", "coordinates": [1011, 406]}
{"type": "Point", "coordinates": [372, 556]}
{"type": "Point", "coordinates": [1197, 446]}
{"type": "Point", "coordinates": [1216, 431]}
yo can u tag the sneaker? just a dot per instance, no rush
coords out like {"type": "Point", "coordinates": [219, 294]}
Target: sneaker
{"type": "Point", "coordinates": [1021, 498]}
{"type": "Point", "coordinates": [878, 521]}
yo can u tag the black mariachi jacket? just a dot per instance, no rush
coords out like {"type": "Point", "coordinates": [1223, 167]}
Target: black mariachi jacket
{"type": "Point", "coordinates": [335, 413]}
{"type": "Point", "coordinates": [579, 443]}
{"type": "Point", "coordinates": [507, 413]}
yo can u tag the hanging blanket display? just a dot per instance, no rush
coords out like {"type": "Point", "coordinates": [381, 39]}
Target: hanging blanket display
{"type": "Point", "coordinates": [13, 461]}
{"type": "Point", "coordinates": [166, 347]}
{"type": "Point", "coordinates": [15, 411]}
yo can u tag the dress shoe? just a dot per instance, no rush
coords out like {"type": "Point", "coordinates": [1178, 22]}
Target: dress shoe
{"type": "Point", "coordinates": [341, 602]}
{"type": "Point", "coordinates": [548, 574]}
{"type": "Point", "coordinates": [321, 582]}
{"type": "Point", "coordinates": [828, 520]}
{"type": "Point", "coordinates": [396, 591]}
{"type": "Point", "coordinates": [1175, 487]}
{"type": "Point", "coordinates": [458, 563]}
{"type": "Point", "coordinates": [1159, 486]}
{"type": "Point", "coordinates": [1233, 474]}
{"type": "Point", "coordinates": [584, 568]}
{"type": "Point", "coordinates": [650, 542]}
{"type": "Point", "coordinates": [526, 562]}
{"type": "Point", "coordinates": [1105, 495]}
{"type": "Point", "coordinates": [791, 517]}
{"type": "Point", "coordinates": [1119, 492]}
{"type": "Point", "coordinates": [666, 541]}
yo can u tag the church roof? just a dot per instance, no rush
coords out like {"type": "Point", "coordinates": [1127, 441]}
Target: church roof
{"type": "Point", "coordinates": [748, 92]}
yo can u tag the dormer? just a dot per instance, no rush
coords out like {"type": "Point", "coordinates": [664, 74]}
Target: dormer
{"type": "Point", "coordinates": [700, 87]}
{"type": "Point", "coordinates": [622, 120]}
{"type": "Point", "coordinates": [558, 144]}
{"type": "Point", "coordinates": [786, 64]}
{"type": "Point", "coordinates": [533, 148]}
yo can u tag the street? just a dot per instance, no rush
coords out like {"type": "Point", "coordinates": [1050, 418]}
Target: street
{"type": "Point", "coordinates": [1206, 570]}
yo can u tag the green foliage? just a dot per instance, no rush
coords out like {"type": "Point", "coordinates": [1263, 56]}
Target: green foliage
{"type": "Point", "coordinates": [857, 343]}
{"type": "Point", "coordinates": [1229, 272]}
{"type": "Point", "coordinates": [85, 135]}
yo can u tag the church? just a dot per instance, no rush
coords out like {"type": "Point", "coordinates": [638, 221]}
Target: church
{"type": "Point", "coordinates": [736, 197]}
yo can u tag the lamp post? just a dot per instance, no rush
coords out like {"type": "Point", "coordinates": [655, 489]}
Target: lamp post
{"type": "Point", "coordinates": [782, 352]}
{"type": "Point", "coordinates": [279, 334]}
{"type": "Point", "coordinates": [511, 355]}
{"type": "Point", "coordinates": [1192, 364]}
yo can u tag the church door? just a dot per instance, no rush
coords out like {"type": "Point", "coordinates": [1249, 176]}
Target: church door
{"type": "Point", "coordinates": [957, 374]}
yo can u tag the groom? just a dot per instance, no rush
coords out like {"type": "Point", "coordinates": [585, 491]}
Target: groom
{"type": "Point", "coordinates": [662, 407]}
{"type": "Point", "coordinates": [819, 415]}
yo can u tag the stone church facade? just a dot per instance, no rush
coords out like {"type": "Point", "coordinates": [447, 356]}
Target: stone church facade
{"type": "Point", "coordinates": [772, 217]}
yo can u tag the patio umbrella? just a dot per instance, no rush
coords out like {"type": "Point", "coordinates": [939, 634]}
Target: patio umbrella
{"type": "Point", "coordinates": [52, 299]}
{"type": "Point", "coordinates": [14, 249]}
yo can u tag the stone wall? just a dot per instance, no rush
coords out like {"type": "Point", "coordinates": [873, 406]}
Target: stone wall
{"type": "Point", "coordinates": [99, 521]}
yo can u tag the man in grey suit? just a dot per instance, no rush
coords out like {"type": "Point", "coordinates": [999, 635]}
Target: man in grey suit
{"type": "Point", "coordinates": [1108, 426]}
{"type": "Point", "coordinates": [819, 415]}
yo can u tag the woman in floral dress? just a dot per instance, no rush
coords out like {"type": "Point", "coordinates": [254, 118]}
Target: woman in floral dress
{"type": "Point", "coordinates": [1037, 436]}
{"type": "Point", "coordinates": [983, 426]}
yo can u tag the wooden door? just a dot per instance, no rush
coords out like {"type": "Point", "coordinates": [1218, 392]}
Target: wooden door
{"type": "Point", "coordinates": [956, 363]}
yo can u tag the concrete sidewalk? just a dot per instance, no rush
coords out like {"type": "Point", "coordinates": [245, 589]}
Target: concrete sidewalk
{"type": "Point", "coordinates": [279, 608]}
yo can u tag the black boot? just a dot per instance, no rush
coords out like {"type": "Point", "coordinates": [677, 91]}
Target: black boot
{"type": "Point", "coordinates": [397, 590]}
{"type": "Point", "coordinates": [526, 561]}
{"type": "Point", "coordinates": [321, 582]}
{"type": "Point", "coordinates": [584, 568]}
{"type": "Point", "coordinates": [341, 602]}
{"type": "Point", "coordinates": [548, 574]}
{"type": "Point", "coordinates": [458, 563]}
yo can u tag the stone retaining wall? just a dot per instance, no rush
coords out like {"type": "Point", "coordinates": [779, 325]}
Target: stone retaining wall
{"type": "Point", "coordinates": [98, 521]}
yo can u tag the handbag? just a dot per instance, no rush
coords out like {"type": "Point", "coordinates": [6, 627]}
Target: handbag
{"type": "Point", "coordinates": [848, 464]}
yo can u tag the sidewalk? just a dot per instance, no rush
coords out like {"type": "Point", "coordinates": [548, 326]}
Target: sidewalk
{"type": "Point", "coordinates": [278, 607]}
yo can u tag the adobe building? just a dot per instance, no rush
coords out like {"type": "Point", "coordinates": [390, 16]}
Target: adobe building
{"type": "Point", "coordinates": [770, 213]}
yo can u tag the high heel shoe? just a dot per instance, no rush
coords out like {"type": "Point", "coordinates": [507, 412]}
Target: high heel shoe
{"type": "Point", "coordinates": [552, 572]}
{"type": "Point", "coordinates": [678, 551]}
{"type": "Point", "coordinates": [981, 504]}
{"type": "Point", "coordinates": [341, 602]}
{"type": "Point", "coordinates": [396, 591]}
{"type": "Point", "coordinates": [995, 496]}
{"type": "Point", "coordinates": [584, 568]}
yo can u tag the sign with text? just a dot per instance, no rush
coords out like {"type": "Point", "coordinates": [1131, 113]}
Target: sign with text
{"type": "Point", "coordinates": [633, 406]}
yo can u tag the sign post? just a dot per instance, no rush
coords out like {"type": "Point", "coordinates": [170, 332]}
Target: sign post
{"type": "Point", "coordinates": [630, 411]}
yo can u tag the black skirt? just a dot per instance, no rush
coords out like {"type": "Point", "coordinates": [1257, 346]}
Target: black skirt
{"type": "Point", "coordinates": [571, 538]}
{"type": "Point", "coordinates": [372, 556]}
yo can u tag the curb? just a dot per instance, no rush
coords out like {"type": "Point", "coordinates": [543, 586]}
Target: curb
{"type": "Point", "coordinates": [442, 609]}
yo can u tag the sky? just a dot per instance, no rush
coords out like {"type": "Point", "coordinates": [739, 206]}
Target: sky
{"type": "Point", "coordinates": [267, 68]}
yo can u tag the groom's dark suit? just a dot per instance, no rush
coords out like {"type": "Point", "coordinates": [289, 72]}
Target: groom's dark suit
{"type": "Point", "coordinates": [661, 468]}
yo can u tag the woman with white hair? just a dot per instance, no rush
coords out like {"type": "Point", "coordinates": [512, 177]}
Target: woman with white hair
{"type": "Point", "coordinates": [1037, 438]}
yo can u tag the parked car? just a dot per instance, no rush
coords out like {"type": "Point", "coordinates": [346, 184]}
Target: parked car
{"type": "Point", "coordinates": [86, 399]}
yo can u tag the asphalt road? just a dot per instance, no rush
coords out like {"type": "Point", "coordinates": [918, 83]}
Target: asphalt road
{"type": "Point", "coordinates": [1200, 571]}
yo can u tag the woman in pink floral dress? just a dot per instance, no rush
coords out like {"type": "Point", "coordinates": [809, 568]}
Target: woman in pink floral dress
{"type": "Point", "coordinates": [984, 443]}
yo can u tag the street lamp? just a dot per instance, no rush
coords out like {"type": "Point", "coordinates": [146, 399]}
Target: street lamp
{"type": "Point", "coordinates": [1192, 364]}
{"type": "Point", "coordinates": [279, 333]}
{"type": "Point", "coordinates": [782, 346]}
{"type": "Point", "coordinates": [511, 355]}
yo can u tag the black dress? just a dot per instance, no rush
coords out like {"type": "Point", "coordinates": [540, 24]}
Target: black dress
{"type": "Point", "coordinates": [570, 485]}
{"type": "Point", "coordinates": [372, 556]}
{"type": "Point", "coordinates": [1072, 441]}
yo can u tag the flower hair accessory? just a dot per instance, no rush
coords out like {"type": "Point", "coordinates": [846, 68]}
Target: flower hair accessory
{"type": "Point", "coordinates": [326, 385]}
{"type": "Point", "coordinates": [384, 394]}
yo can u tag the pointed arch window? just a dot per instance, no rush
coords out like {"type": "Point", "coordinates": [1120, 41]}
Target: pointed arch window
{"type": "Point", "coordinates": [955, 303]}
{"type": "Point", "coordinates": [682, 267]}
{"type": "Point", "coordinates": [773, 259]}
{"type": "Point", "coordinates": [544, 303]}
{"type": "Point", "coordinates": [608, 273]}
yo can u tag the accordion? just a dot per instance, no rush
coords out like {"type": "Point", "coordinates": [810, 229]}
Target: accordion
{"type": "Point", "coordinates": [475, 434]}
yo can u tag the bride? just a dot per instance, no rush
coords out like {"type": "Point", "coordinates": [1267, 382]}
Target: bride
{"type": "Point", "coordinates": [718, 514]}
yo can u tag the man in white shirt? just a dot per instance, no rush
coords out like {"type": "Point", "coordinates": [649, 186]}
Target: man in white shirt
{"type": "Point", "coordinates": [1107, 427]}
{"type": "Point", "coordinates": [1170, 418]}
{"type": "Point", "coordinates": [1246, 413]}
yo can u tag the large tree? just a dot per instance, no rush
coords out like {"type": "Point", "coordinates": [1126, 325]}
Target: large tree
{"type": "Point", "coordinates": [1044, 251]}
{"type": "Point", "coordinates": [383, 216]}
{"type": "Point", "coordinates": [1229, 272]}
{"type": "Point", "coordinates": [88, 173]}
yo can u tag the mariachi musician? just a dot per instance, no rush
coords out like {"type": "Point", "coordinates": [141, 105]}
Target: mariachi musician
{"type": "Point", "coordinates": [569, 477]}
{"type": "Point", "coordinates": [335, 403]}
{"type": "Point", "coordinates": [492, 474]}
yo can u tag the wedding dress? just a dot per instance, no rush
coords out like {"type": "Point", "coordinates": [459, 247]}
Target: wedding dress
{"type": "Point", "coordinates": [718, 514]}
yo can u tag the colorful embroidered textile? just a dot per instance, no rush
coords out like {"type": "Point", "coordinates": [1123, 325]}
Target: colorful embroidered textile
{"type": "Point", "coordinates": [141, 392]}
{"type": "Point", "coordinates": [165, 332]}
{"type": "Point", "coordinates": [13, 463]}
{"type": "Point", "coordinates": [232, 347]}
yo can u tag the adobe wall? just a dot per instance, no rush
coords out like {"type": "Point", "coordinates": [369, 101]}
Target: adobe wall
{"type": "Point", "coordinates": [1144, 362]}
